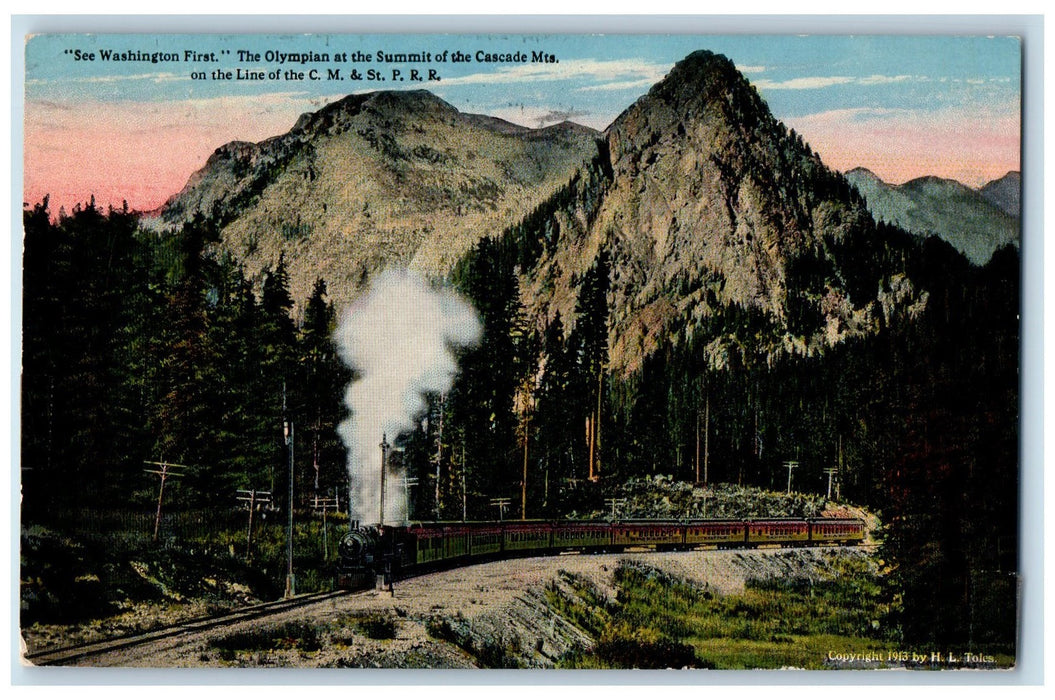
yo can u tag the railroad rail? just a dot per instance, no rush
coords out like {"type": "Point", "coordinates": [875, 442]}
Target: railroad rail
{"type": "Point", "coordinates": [65, 655]}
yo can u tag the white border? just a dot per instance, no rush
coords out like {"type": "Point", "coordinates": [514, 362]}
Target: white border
{"type": "Point", "coordinates": [1030, 669]}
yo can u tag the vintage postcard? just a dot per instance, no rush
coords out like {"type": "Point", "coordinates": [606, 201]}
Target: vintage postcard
{"type": "Point", "coordinates": [521, 351]}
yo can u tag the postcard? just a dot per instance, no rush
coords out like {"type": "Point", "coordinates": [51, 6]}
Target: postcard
{"type": "Point", "coordinates": [521, 351]}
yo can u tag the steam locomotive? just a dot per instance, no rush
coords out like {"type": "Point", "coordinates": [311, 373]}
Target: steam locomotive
{"type": "Point", "coordinates": [394, 552]}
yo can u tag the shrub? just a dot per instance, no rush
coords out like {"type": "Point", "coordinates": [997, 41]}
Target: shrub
{"type": "Point", "coordinates": [378, 626]}
{"type": "Point", "coordinates": [290, 635]}
{"type": "Point", "coordinates": [634, 653]}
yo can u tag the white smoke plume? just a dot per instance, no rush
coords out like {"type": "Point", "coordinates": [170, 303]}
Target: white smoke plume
{"type": "Point", "coordinates": [399, 339]}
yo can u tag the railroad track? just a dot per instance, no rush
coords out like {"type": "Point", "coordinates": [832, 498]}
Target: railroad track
{"type": "Point", "coordinates": [65, 655]}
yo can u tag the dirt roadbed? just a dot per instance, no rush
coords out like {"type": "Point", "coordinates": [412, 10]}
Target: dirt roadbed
{"type": "Point", "coordinates": [446, 619]}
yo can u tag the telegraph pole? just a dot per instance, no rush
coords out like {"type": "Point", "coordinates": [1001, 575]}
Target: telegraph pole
{"type": "Point", "coordinates": [501, 504]}
{"type": "Point", "coordinates": [384, 463]}
{"type": "Point", "coordinates": [407, 484]}
{"type": "Point", "coordinates": [597, 428]}
{"type": "Point", "coordinates": [697, 446]}
{"type": "Point", "coordinates": [323, 504]}
{"type": "Point", "coordinates": [315, 455]}
{"type": "Point", "coordinates": [616, 504]}
{"type": "Point", "coordinates": [831, 471]}
{"type": "Point", "coordinates": [789, 465]}
{"type": "Point", "coordinates": [595, 433]}
{"type": "Point", "coordinates": [164, 473]}
{"type": "Point", "coordinates": [439, 461]}
{"type": "Point", "coordinates": [287, 432]}
{"type": "Point", "coordinates": [838, 483]}
{"type": "Point", "coordinates": [706, 437]}
{"type": "Point", "coordinates": [523, 480]}
{"type": "Point", "coordinates": [252, 498]}
{"type": "Point", "coordinates": [589, 442]}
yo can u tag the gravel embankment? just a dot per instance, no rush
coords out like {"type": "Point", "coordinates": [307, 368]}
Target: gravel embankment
{"type": "Point", "coordinates": [496, 605]}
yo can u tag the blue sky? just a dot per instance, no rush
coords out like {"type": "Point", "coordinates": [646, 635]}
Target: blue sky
{"type": "Point", "coordinates": [598, 74]}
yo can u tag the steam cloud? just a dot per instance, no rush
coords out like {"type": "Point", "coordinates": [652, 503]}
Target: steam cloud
{"type": "Point", "coordinates": [399, 340]}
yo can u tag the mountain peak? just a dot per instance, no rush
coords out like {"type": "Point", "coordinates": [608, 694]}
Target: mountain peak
{"type": "Point", "coordinates": [373, 179]}
{"type": "Point", "coordinates": [705, 79]}
{"type": "Point", "coordinates": [925, 181]}
{"type": "Point", "coordinates": [705, 189]}
{"type": "Point", "coordinates": [382, 103]}
{"type": "Point", "coordinates": [864, 173]}
{"type": "Point", "coordinates": [703, 70]}
{"type": "Point", "coordinates": [1006, 193]}
{"type": "Point", "coordinates": [703, 84]}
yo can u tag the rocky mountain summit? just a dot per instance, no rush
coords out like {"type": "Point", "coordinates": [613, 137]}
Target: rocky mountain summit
{"type": "Point", "coordinates": [710, 206]}
{"type": "Point", "coordinates": [372, 180]}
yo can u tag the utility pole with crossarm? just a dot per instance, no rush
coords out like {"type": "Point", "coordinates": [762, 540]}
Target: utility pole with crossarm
{"type": "Point", "coordinates": [164, 473]}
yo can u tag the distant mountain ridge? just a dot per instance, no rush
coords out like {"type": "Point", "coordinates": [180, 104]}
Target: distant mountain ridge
{"type": "Point", "coordinates": [1006, 193]}
{"type": "Point", "coordinates": [975, 222]}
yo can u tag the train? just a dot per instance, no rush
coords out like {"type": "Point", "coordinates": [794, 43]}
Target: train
{"type": "Point", "coordinates": [368, 555]}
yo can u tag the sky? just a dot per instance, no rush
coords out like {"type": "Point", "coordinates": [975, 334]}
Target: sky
{"type": "Point", "coordinates": [136, 130]}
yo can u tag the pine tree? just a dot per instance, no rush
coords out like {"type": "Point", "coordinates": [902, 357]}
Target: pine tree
{"type": "Point", "coordinates": [185, 424]}
{"type": "Point", "coordinates": [590, 342]}
{"type": "Point", "coordinates": [323, 378]}
{"type": "Point", "coordinates": [483, 405]}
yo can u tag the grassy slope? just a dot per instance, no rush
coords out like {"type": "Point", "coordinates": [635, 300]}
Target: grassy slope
{"type": "Point", "coordinates": [794, 622]}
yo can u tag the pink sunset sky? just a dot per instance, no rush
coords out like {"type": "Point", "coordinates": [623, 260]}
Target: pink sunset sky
{"type": "Point", "coordinates": [145, 152]}
{"type": "Point", "coordinates": [902, 146]}
{"type": "Point", "coordinates": [140, 152]}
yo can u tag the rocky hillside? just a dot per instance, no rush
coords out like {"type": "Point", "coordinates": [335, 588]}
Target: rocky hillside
{"type": "Point", "coordinates": [662, 498]}
{"type": "Point", "coordinates": [975, 222]}
{"type": "Point", "coordinates": [376, 179]}
{"type": "Point", "coordinates": [499, 614]}
{"type": "Point", "coordinates": [705, 203]}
